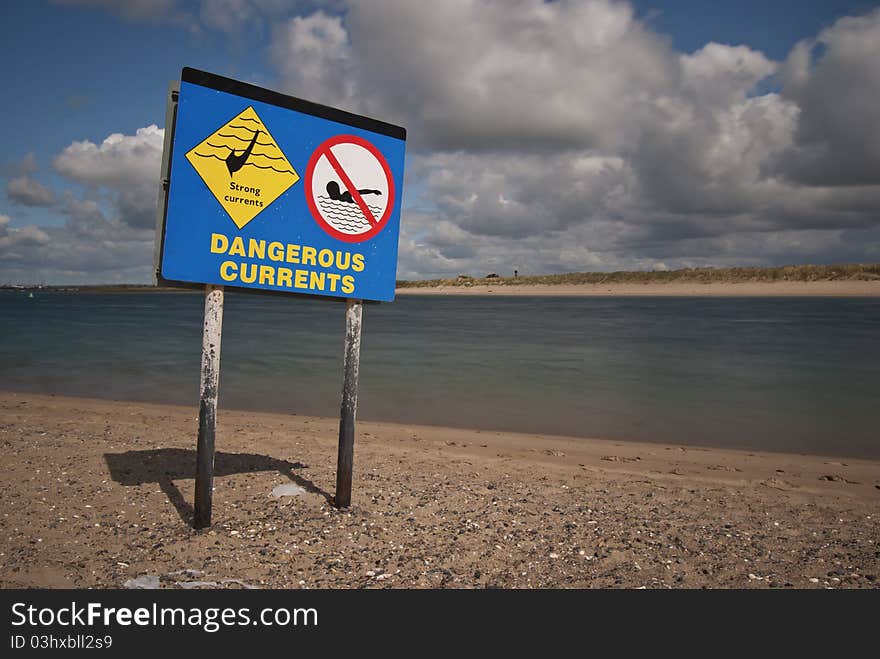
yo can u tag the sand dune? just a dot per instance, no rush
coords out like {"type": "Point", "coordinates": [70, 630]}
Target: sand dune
{"type": "Point", "coordinates": [713, 289]}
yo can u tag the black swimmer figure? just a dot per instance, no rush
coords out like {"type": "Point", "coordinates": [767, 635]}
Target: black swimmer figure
{"type": "Point", "coordinates": [236, 162]}
{"type": "Point", "coordinates": [336, 195]}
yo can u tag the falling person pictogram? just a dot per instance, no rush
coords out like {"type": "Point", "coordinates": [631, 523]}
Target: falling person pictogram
{"type": "Point", "coordinates": [236, 162]}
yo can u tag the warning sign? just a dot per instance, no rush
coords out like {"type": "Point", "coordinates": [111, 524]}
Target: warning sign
{"type": "Point", "coordinates": [243, 166]}
{"type": "Point", "coordinates": [349, 188]}
{"type": "Point", "coordinates": [236, 152]}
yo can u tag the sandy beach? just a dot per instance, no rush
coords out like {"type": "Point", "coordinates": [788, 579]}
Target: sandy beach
{"type": "Point", "coordinates": [99, 494]}
{"type": "Point", "coordinates": [673, 289]}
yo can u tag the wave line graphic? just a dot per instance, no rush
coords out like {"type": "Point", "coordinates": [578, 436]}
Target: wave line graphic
{"type": "Point", "coordinates": [208, 155]}
{"type": "Point", "coordinates": [280, 171]}
{"type": "Point", "coordinates": [343, 216]}
{"type": "Point", "coordinates": [345, 206]}
{"type": "Point", "coordinates": [348, 228]}
{"type": "Point", "coordinates": [274, 169]}
{"type": "Point", "coordinates": [253, 154]}
{"type": "Point", "coordinates": [241, 139]}
{"type": "Point", "coordinates": [266, 155]}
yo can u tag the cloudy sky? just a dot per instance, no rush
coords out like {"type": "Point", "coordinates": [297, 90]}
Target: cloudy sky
{"type": "Point", "coordinates": [542, 136]}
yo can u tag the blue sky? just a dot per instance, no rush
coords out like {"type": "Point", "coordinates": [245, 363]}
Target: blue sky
{"type": "Point", "coordinates": [84, 73]}
{"type": "Point", "coordinates": [771, 26]}
{"type": "Point", "coordinates": [81, 70]}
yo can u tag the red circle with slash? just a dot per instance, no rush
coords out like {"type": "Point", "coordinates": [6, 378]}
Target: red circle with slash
{"type": "Point", "coordinates": [369, 159]}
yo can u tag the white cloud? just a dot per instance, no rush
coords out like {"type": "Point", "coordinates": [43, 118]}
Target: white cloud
{"type": "Point", "coordinates": [467, 74]}
{"type": "Point", "coordinates": [527, 194]}
{"type": "Point", "coordinates": [721, 75]}
{"type": "Point", "coordinates": [25, 167]}
{"type": "Point", "coordinates": [234, 16]}
{"type": "Point", "coordinates": [16, 238]}
{"type": "Point", "coordinates": [127, 166]}
{"type": "Point", "coordinates": [28, 192]}
{"type": "Point", "coordinates": [312, 55]}
{"type": "Point", "coordinates": [118, 161]}
{"type": "Point", "coordinates": [109, 230]}
{"type": "Point", "coordinates": [88, 248]}
{"type": "Point", "coordinates": [835, 81]}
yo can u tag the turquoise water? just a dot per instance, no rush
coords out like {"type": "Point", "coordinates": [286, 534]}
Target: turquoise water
{"type": "Point", "coordinates": [789, 374]}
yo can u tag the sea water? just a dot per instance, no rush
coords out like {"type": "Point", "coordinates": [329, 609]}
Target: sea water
{"type": "Point", "coordinates": [784, 374]}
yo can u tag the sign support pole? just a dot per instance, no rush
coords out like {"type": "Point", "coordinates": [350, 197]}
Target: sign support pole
{"type": "Point", "coordinates": [209, 387]}
{"type": "Point", "coordinates": [348, 409]}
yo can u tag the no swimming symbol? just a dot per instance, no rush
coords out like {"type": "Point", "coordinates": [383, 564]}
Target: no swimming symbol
{"type": "Point", "coordinates": [349, 188]}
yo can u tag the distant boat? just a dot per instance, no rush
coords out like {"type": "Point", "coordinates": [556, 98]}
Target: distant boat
{"type": "Point", "coordinates": [30, 294]}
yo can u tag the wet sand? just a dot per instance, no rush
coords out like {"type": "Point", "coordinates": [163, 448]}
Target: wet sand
{"type": "Point", "coordinates": [744, 289]}
{"type": "Point", "coordinates": [99, 494]}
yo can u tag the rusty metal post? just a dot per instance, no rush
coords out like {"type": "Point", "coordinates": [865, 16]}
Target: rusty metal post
{"type": "Point", "coordinates": [209, 388]}
{"type": "Point", "coordinates": [348, 409]}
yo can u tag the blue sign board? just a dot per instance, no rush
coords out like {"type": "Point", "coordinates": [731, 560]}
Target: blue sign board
{"type": "Point", "coordinates": [275, 193]}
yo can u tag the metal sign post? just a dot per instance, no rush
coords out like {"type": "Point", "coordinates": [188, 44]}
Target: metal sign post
{"type": "Point", "coordinates": [348, 410]}
{"type": "Point", "coordinates": [267, 192]}
{"type": "Point", "coordinates": [209, 387]}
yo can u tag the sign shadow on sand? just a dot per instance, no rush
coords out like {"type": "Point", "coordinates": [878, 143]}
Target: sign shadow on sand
{"type": "Point", "coordinates": [164, 466]}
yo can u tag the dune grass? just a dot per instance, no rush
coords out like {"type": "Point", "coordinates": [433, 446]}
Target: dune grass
{"type": "Point", "coordinates": [843, 272]}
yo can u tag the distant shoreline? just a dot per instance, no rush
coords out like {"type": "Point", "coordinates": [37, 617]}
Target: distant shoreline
{"type": "Point", "coordinates": [839, 288]}
{"type": "Point", "coordinates": [673, 289]}
{"type": "Point", "coordinates": [846, 279]}
{"type": "Point", "coordinates": [842, 280]}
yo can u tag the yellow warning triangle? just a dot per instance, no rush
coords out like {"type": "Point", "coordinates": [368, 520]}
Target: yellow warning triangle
{"type": "Point", "coordinates": [243, 166]}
